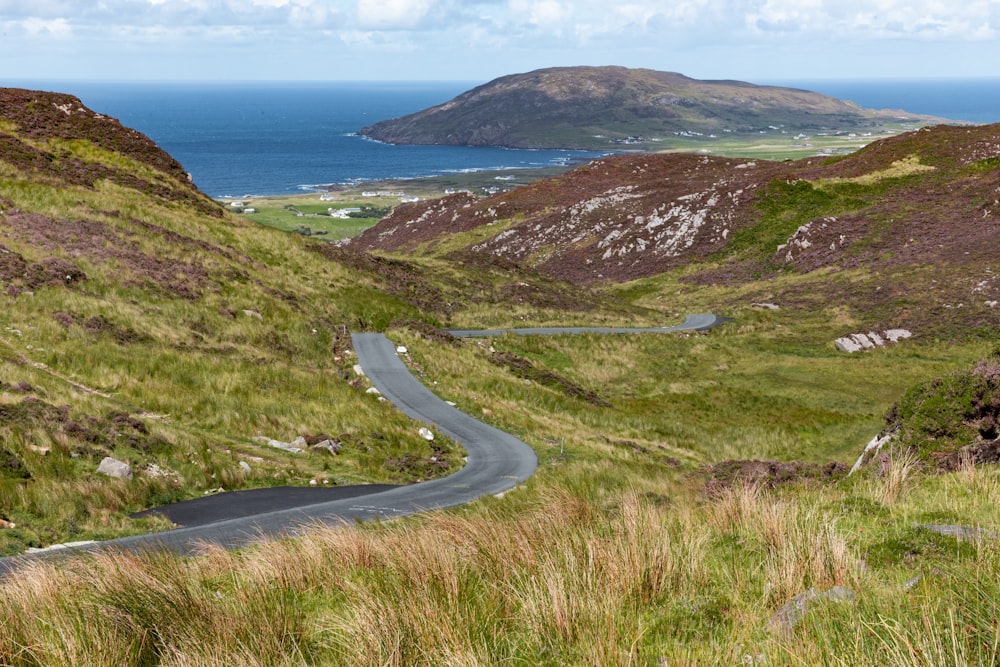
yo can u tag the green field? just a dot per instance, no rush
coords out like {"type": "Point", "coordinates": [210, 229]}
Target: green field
{"type": "Point", "coordinates": [308, 215]}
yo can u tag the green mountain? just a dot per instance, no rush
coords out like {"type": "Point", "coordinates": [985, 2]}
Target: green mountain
{"type": "Point", "coordinates": [601, 107]}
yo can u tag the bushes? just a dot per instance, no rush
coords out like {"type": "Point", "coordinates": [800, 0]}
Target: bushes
{"type": "Point", "coordinates": [949, 413]}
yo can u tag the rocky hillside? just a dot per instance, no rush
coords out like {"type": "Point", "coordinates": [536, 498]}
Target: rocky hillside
{"type": "Point", "coordinates": [598, 107]}
{"type": "Point", "coordinates": [921, 210]}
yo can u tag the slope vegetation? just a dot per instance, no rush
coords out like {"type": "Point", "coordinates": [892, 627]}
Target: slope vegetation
{"type": "Point", "coordinates": [918, 212]}
{"type": "Point", "coordinates": [142, 322]}
{"type": "Point", "coordinates": [689, 506]}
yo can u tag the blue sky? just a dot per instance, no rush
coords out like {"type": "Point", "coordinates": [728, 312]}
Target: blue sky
{"type": "Point", "coordinates": [478, 40]}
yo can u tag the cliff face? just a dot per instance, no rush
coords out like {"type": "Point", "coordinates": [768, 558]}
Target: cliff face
{"type": "Point", "coordinates": [889, 212]}
{"type": "Point", "coordinates": [595, 107]}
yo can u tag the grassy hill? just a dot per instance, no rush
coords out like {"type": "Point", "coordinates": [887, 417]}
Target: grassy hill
{"type": "Point", "coordinates": [603, 107]}
{"type": "Point", "coordinates": [690, 485]}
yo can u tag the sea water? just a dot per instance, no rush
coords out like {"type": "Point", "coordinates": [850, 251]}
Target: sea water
{"type": "Point", "coordinates": [282, 138]}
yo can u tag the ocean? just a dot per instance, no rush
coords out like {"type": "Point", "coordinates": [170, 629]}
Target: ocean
{"type": "Point", "coordinates": [285, 138]}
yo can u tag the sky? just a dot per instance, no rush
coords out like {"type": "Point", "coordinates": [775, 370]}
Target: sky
{"type": "Point", "coordinates": [478, 40]}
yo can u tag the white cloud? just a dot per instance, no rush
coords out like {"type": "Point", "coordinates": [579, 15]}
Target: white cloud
{"type": "Point", "coordinates": [442, 37]}
{"type": "Point", "coordinates": [872, 19]}
{"type": "Point", "coordinates": [547, 13]}
{"type": "Point", "coordinates": [37, 27]}
{"type": "Point", "coordinates": [392, 14]}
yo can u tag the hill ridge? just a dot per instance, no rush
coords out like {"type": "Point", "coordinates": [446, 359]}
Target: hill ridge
{"type": "Point", "coordinates": [601, 107]}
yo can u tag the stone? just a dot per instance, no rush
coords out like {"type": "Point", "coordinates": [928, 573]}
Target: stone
{"type": "Point", "coordinates": [426, 434]}
{"type": "Point", "coordinates": [792, 612]}
{"type": "Point", "coordinates": [254, 314]}
{"type": "Point", "coordinates": [245, 467]}
{"type": "Point", "coordinates": [114, 468]}
{"type": "Point", "coordinates": [896, 335]}
{"type": "Point", "coordinates": [968, 533]}
{"type": "Point", "coordinates": [328, 446]}
{"type": "Point", "coordinates": [278, 444]}
{"type": "Point", "coordinates": [872, 450]}
{"type": "Point", "coordinates": [358, 370]}
{"type": "Point", "coordinates": [869, 341]}
{"type": "Point", "coordinates": [766, 306]}
{"type": "Point", "coordinates": [863, 340]}
{"type": "Point", "coordinates": [402, 349]}
{"type": "Point", "coordinates": [373, 391]}
{"type": "Point", "coordinates": [846, 344]}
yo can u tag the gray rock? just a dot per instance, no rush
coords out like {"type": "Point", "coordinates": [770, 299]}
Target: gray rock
{"type": "Point", "coordinates": [426, 434]}
{"type": "Point", "coordinates": [245, 467]}
{"type": "Point", "coordinates": [869, 341]}
{"type": "Point", "coordinates": [969, 533]}
{"type": "Point", "coordinates": [114, 468]}
{"type": "Point", "coordinates": [847, 344]}
{"type": "Point", "coordinates": [872, 450]}
{"type": "Point", "coordinates": [328, 446]}
{"type": "Point", "coordinates": [278, 444]}
{"type": "Point", "coordinates": [896, 335]}
{"type": "Point", "coordinates": [792, 612]}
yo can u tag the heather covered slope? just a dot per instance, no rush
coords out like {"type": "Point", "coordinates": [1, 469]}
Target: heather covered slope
{"type": "Point", "coordinates": [917, 213]}
{"type": "Point", "coordinates": [598, 107]}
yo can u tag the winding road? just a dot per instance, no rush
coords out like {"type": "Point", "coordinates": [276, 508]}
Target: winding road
{"type": "Point", "coordinates": [496, 462]}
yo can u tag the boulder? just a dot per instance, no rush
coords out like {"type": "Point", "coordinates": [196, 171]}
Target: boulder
{"type": "Point", "coordinates": [869, 341]}
{"type": "Point", "coordinates": [114, 468]}
{"type": "Point", "coordinates": [328, 446]}
{"type": "Point", "coordinates": [792, 612]}
{"type": "Point", "coordinates": [872, 450]}
{"type": "Point", "coordinates": [278, 444]}
{"type": "Point", "coordinates": [426, 434]}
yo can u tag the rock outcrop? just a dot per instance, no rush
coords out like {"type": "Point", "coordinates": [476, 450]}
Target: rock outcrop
{"type": "Point", "coordinates": [869, 341]}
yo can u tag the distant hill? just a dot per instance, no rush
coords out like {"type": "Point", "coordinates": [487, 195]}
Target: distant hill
{"type": "Point", "coordinates": [913, 219]}
{"type": "Point", "coordinates": [598, 107]}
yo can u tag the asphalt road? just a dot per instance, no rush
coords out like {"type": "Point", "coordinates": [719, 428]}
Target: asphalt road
{"type": "Point", "coordinates": [497, 461]}
{"type": "Point", "coordinates": [691, 323]}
